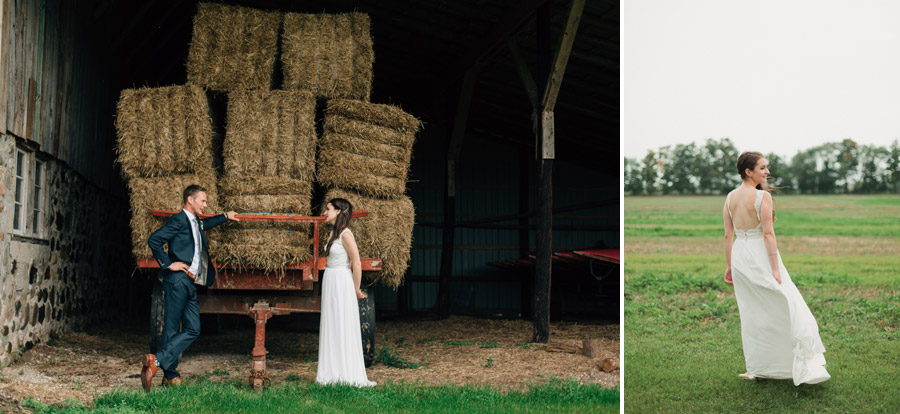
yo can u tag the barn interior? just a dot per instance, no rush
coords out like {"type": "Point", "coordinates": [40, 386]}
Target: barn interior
{"type": "Point", "coordinates": [473, 71]}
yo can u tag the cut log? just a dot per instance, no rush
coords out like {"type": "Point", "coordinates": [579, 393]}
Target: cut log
{"type": "Point", "coordinates": [610, 364]}
{"type": "Point", "coordinates": [592, 348]}
{"type": "Point", "coordinates": [563, 347]}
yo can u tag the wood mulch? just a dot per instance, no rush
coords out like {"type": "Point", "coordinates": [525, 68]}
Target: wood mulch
{"type": "Point", "coordinates": [458, 350]}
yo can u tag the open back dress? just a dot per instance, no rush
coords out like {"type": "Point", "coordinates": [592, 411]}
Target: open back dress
{"type": "Point", "coordinates": [779, 333]}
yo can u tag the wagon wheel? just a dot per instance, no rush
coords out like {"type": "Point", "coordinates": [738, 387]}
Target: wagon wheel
{"type": "Point", "coordinates": [367, 324]}
{"type": "Point", "coordinates": [157, 314]}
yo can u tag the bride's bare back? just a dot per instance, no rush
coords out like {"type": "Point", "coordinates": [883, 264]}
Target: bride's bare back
{"type": "Point", "coordinates": [741, 204]}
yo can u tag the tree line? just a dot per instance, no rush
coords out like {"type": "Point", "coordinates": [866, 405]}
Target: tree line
{"type": "Point", "coordinates": [710, 168]}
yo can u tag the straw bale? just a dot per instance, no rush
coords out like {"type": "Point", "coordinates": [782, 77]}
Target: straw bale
{"type": "Point", "coordinates": [162, 193]}
{"type": "Point", "coordinates": [263, 185]}
{"type": "Point", "coordinates": [362, 181]}
{"type": "Point", "coordinates": [366, 147]}
{"type": "Point", "coordinates": [270, 249]}
{"type": "Point", "coordinates": [297, 204]}
{"type": "Point", "coordinates": [233, 47]}
{"type": "Point", "coordinates": [384, 135]}
{"type": "Point", "coordinates": [328, 54]}
{"type": "Point", "coordinates": [164, 131]}
{"type": "Point", "coordinates": [372, 165]}
{"type": "Point", "coordinates": [386, 233]}
{"type": "Point", "coordinates": [379, 114]}
{"type": "Point", "coordinates": [271, 134]}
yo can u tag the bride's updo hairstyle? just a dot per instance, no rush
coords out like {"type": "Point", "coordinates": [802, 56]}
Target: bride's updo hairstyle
{"type": "Point", "coordinates": [345, 213]}
{"type": "Point", "coordinates": [747, 160]}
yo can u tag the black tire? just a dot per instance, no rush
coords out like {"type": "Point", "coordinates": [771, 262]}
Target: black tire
{"type": "Point", "coordinates": [157, 314]}
{"type": "Point", "coordinates": [367, 325]}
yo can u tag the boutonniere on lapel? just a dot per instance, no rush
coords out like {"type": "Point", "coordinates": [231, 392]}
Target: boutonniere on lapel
{"type": "Point", "coordinates": [201, 224]}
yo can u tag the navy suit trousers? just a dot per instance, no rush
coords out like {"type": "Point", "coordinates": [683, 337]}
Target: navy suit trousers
{"type": "Point", "coordinates": [182, 309]}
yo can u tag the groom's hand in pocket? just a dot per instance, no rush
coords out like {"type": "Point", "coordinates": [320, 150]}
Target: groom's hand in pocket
{"type": "Point", "coordinates": [179, 266]}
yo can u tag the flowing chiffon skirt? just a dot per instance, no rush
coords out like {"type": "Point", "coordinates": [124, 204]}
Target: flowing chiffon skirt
{"type": "Point", "coordinates": [779, 333]}
{"type": "Point", "coordinates": [340, 341]}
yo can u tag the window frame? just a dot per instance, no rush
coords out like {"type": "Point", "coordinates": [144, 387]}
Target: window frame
{"type": "Point", "coordinates": [38, 185]}
{"type": "Point", "coordinates": [20, 191]}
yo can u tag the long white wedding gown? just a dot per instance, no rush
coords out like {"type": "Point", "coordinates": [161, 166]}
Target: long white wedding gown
{"type": "Point", "coordinates": [779, 333]}
{"type": "Point", "coordinates": [340, 340]}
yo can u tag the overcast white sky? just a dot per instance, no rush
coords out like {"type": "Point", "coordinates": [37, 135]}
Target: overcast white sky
{"type": "Point", "coordinates": [774, 76]}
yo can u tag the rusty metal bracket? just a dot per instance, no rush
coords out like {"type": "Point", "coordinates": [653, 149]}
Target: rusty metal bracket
{"type": "Point", "coordinates": [260, 312]}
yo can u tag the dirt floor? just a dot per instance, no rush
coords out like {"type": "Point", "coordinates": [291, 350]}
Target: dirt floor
{"type": "Point", "coordinates": [458, 350]}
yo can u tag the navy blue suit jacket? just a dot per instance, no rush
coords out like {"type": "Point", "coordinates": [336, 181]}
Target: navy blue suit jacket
{"type": "Point", "coordinates": [177, 232]}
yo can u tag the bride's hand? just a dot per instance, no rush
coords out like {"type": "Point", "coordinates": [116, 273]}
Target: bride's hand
{"type": "Point", "coordinates": [777, 274]}
{"type": "Point", "coordinates": [728, 277]}
{"type": "Point", "coordinates": [360, 294]}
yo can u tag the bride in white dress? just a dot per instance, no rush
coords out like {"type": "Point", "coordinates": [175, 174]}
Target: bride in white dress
{"type": "Point", "coordinates": [340, 340]}
{"type": "Point", "coordinates": [779, 333]}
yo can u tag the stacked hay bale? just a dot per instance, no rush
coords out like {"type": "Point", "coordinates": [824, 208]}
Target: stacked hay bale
{"type": "Point", "coordinates": [164, 144]}
{"type": "Point", "coordinates": [364, 157]}
{"type": "Point", "coordinates": [233, 48]}
{"type": "Point", "coordinates": [269, 157]}
{"type": "Point", "coordinates": [329, 55]}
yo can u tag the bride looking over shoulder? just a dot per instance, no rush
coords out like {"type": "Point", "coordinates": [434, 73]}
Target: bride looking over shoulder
{"type": "Point", "coordinates": [779, 333]}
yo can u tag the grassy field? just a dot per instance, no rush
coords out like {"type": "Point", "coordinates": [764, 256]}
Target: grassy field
{"type": "Point", "coordinates": [682, 329]}
{"type": "Point", "coordinates": [201, 396]}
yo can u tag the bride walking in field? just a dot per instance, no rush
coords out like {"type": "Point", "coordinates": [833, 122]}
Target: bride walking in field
{"type": "Point", "coordinates": [779, 334]}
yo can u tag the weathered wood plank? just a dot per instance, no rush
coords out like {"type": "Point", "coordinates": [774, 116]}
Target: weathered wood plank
{"type": "Point", "coordinates": [562, 56]}
{"type": "Point", "coordinates": [5, 36]}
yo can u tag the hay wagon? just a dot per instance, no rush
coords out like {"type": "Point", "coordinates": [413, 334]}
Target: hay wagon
{"type": "Point", "coordinates": [262, 295]}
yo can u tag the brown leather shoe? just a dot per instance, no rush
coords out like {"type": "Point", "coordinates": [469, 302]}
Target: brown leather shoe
{"type": "Point", "coordinates": [174, 382]}
{"type": "Point", "coordinates": [148, 371]}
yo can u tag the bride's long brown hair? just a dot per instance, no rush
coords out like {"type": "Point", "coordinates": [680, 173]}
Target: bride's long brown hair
{"type": "Point", "coordinates": [345, 213]}
{"type": "Point", "coordinates": [747, 160]}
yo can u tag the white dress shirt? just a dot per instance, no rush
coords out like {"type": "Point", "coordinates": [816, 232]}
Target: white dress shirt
{"type": "Point", "coordinates": [195, 230]}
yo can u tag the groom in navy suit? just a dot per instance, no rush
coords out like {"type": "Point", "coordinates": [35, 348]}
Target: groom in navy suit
{"type": "Point", "coordinates": [186, 265]}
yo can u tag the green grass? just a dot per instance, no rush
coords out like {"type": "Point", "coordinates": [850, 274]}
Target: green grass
{"type": "Point", "coordinates": [386, 355]}
{"type": "Point", "coordinates": [869, 215]}
{"type": "Point", "coordinates": [555, 396]}
{"type": "Point", "coordinates": [682, 335]}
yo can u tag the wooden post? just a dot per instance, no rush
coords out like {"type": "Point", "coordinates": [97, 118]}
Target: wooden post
{"type": "Point", "coordinates": [542, 269]}
{"type": "Point", "coordinates": [527, 280]}
{"type": "Point", "coordinates": [453, 150]}
{"type": "Point", "coordinates": [550, 83]}
{"type": "Point", "coordinates": [447, 243]}
{"type": "Point", "coordinates": [403, 293]}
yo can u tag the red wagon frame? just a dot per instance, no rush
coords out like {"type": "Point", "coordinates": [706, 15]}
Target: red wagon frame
{"type": "Point", "coordinates": [292, 278]}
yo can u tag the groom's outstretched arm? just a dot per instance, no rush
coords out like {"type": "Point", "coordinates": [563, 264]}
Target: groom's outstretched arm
{"type": "Point", "coordinates": [162, 236]}
{"type": "Point", "coordinates": [218, 219]}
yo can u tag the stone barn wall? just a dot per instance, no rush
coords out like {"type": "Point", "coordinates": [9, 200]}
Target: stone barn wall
{"type": "Point", "coordinates": [76, 274]}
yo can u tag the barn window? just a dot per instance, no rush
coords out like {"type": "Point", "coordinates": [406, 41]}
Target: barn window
{"type": "Point", "coordinates": [36, 222]}
{"type": "Point", "coordinates": [19, 204]}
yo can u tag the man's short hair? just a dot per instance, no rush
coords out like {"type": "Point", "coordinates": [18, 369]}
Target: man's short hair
{"type": "Point", "coordinates": [190, 191]}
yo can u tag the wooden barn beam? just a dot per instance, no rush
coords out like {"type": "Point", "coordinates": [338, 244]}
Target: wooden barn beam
{"type": "Point", "coordinates": [546, 154]}
{"type": "Point", "coordinates": [489, 43]}
{"type": "Point", "coordinates": [524, 73]}
{"type": "Point", "coordinates": [562, 56]}
{"type": "Point", "coordinates": [453, 150]}
{"type": "Point", "coordinates": [543, 261]}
